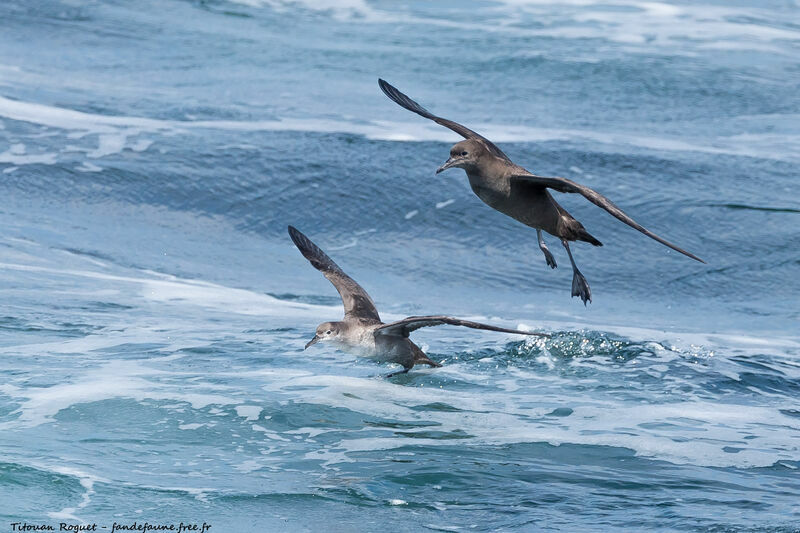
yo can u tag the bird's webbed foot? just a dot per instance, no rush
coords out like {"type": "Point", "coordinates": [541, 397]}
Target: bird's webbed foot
{"type": "Point", "coordinates": [551, 261]}
{"type": "Point", "coordinates": [580, 287]}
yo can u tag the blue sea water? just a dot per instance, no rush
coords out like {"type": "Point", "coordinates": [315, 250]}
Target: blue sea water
{"type": "Point", "coordinates": [153, 310]}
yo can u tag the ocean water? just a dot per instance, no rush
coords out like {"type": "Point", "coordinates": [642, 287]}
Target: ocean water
{"type": "Point", "coordinates": [153, 309]}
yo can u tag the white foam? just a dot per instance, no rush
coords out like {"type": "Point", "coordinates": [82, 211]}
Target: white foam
{"type": "Point", "coordinates": [340, 9]}
{"type": "Point", "coordinates": [501, 416]}
{"type": "Point", "coordinates": [190, 426]}
{"type": "Point", "coordinates": [177, 291]}
{"type": "Point", "coordinates": [270, 434]}
{"type": "Point", "coordinates": [87, 481]}
{"type": "Point", "coordinates": [114, 131]}
{"type": "Point", "coordinates": [199, 493]}
{"type": "Point", "coordinates": [648, 25]}
{"type": "Point", "coordinates": [67, 119]}
{"type": "Point", "coordinates": [249, 412]}
{"type": "Point", "coordinates": [353, 242]}
{"type": "Point", "coordinates": [141, 145]}
{"type": "Point", "coordinates": [108, 144]}
{"type": "Point", "coordinates": [88, 167]}
{"type": "Point", "coordinates": [440, 205]}
{"type": "Point", "coordinates": [248, 466]}
{"type": "Point", "coordinates": [16, 155]}
{"type": "Point", "coordinates": [681, 339]}
{"type": "Point", "coordinates": [644, 23]}
{"type": "Point", "coordinates": [117, 379]}
{"type": "Point", "coordinates": [637, 24]}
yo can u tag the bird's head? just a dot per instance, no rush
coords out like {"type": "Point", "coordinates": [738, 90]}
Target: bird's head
{"type": "Point", "coordinates": [326, 331]}
{"type": "Point", "coordinates": [464, 155]}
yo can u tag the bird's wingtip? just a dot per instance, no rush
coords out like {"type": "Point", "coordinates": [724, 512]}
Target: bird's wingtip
{"type": "Point", "coordinates": [387, 88]}
{"type": "Point", "coordinates": [692, 256]}
{"type": "Point", "coordinates": [309, 249]}
{"type": "Point", "coordinates": [297, 237]}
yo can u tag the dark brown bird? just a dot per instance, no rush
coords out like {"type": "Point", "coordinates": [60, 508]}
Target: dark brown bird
{"type": "Point", "coordinates": [523, 196]}
{"type": "Point", "coordinates": [361, 331]}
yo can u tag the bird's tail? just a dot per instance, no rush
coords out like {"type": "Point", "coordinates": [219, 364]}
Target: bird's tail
{"type": "Point", "coordinates": [575, 230]}
{"type": "Point", "coordinates": [585, 236]}
{"type": "Point", "coordinates": [421, 359]}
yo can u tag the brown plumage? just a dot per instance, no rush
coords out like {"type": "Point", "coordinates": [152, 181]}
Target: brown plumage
{"type": "Point", "coordinates": [361, 330]}
{"type": "Point", "coordinates": [522, 195]}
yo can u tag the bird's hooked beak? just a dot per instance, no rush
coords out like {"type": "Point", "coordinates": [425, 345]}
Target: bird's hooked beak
{"type": "Point", "coordinates": [451, 162]}
{"type": "Point", "coordinates": [315, 340]}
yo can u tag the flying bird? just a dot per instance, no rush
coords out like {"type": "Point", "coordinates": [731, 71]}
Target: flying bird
{"type": "Point", "coordinates": [512, 190]}
{"type": "Point", "coordinates": [361, 331]}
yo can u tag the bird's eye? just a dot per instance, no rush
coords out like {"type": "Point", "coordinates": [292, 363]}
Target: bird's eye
{"type": "Point", "coordinates": [328, 332]}
{"type": "Point", "coordinates": [463, 153]}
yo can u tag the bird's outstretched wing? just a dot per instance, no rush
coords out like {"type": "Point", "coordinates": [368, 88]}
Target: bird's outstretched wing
{"type": "Point", "coordinates": [404, 101]}
{"type": "Point", "coordinates": [404, 327]}
{"type": "Point", "coordinates": [357, 303]}
{"type": "Point", "coordinates": [569, 186]}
